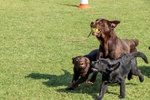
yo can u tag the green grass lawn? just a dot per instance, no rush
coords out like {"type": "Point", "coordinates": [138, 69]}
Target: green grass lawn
{"type": "Point", "coordinates": [35, 55]}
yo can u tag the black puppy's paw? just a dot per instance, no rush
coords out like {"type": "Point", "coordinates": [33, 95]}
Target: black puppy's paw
{"type": "Point", "coordinates": [69, 88]}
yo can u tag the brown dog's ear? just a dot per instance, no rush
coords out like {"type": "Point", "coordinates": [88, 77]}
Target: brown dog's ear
{"type": "Point", "coordinates": [87, 60]}
{"type": "Point", "coordinates": [114, 23]}
{"type": "Point", "coordinates": [73, 60]}
{"type": "Point", "coordinates": [86, 69]}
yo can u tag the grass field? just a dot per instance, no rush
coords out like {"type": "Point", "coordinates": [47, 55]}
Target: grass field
{"type": "Point", "coordinates": [35, 55]}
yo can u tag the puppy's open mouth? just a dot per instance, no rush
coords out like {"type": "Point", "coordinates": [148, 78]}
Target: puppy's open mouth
{"type": "Point", "coordinates": [95, 31]}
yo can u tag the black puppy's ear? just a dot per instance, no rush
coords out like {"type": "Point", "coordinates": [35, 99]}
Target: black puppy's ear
{"type": "Point", "coordinates": [114, 66]}
{"type": "Point", "coordinates": [114, 23]}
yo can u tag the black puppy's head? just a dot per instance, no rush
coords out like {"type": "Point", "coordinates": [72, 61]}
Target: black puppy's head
{"type": "Point", "coordinates": [104, 65]}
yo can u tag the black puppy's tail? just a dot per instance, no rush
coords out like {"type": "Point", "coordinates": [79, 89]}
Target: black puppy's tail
{"type": "Point", "coordinates": [140, 54]}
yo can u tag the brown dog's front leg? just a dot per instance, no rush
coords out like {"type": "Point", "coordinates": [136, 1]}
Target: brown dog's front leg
{"type": "Point", "coordinates": [101, 52]}
{"type": "Point", "coordinates": [75, 84]}
{"type": "Point", "coordinates": [122, 89]}
{"type": "Point", "coordinates": [75, 77]}
{"type": "Point", "coordinates": [106, 49]}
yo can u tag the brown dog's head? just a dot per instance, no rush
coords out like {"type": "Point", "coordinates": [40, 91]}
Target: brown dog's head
{"type": "Point", "coordinates": [102, 26]}
{"type": "Point", "coordinates": [81, 65]}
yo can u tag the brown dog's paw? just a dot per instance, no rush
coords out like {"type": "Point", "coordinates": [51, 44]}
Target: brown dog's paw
{"type": "Point", "coordinates": [89, 82]}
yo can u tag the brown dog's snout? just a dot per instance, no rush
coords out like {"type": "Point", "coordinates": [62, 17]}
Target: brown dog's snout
{"type": "Point", "coordinates": [92, 24]}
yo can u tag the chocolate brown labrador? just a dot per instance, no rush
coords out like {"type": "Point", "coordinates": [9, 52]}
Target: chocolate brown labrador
{"type": "Point", "coordinates": [82, 69]}
{"type": "Point", "coordinates": [111, 46]}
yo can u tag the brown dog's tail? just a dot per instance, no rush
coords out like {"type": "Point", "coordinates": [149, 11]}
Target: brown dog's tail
{"type": "Point", "coordinates": [140, 54]}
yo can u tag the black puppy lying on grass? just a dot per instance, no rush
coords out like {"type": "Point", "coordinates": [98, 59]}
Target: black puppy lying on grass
{"type": "Point", "coordinates": [82, 69]}
{"type": "Point", "coordinates": [115, 71]}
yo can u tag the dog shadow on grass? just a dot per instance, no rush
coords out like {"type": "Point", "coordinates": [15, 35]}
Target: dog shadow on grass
{"type": "Point", "coordinates": [65, 80]}
{"type": "Point", "coordinates": [90, 89]}
{"type": "Point", "coordinates": [52, 80]}
{"type": "Point", "coordinates": [145, 70]}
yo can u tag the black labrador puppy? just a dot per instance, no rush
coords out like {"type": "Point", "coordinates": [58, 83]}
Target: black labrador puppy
{"type": "Point", "coordinates": [115, 71]}
{"type": "Point", "coordinates": [82, 69]}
